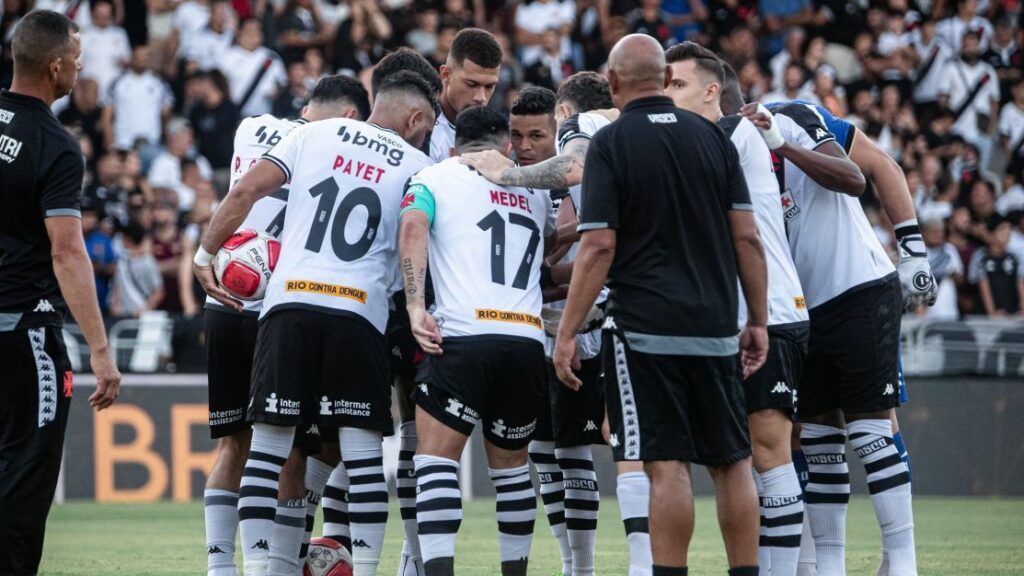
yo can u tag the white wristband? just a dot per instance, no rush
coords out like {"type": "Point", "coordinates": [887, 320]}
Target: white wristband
{"type": "Point", "coordinates": [203, 258]}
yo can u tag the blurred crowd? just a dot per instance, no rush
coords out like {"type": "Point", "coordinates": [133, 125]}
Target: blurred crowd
{"type": "Point", "coordinates": [938, 83]}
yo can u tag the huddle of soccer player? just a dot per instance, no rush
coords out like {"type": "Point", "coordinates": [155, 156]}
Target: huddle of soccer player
{"type": "Point", "coordinates": [450, 276]}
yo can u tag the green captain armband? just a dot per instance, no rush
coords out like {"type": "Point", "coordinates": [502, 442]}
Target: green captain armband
{"type": "Point", "coordinates": [419, 197]}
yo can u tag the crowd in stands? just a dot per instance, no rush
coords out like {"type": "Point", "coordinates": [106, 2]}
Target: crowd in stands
{"type": "Point", "coordinates": [938, 83]}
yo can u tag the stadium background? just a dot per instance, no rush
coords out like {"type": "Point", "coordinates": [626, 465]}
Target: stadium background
{"type": "Point", "coordinates": [160, 95]}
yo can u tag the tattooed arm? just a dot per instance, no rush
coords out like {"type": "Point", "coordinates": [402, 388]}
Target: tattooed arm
{"type": "Point", "coordinates": [413, 247]}
{"type": "Point", "coordinates": [562, 171]}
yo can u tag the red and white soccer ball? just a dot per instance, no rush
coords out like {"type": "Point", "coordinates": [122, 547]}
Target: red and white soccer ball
{"type": "Point", "coordinates": [327, 558]}
{"type": "Point", "coordinates": [244, 263]}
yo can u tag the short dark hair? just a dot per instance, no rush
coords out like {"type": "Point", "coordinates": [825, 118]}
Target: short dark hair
{"type": "Point", "coordinates": [476, 45]}
{"type": "Point", "coordinates": [40, 37]}
{"type": "Point", "coordinates": [134, 232]}
{"type": "Point", "coordinates": [730, 96]}
{"type": "Point", "coordinates": [409, 82]}
{"type": "Point", "coordinates": [533, 101]}
{"type": "Point", "coordinates": [480, 124]}
{"type": "Point", "coordinates": [705, 60]}
{"type": "Point", "coordinates": [331, 89]}
{"type": "Point", "coordinates": [585, 91]}
{"type": "Point", "coordinates": [404, 59]}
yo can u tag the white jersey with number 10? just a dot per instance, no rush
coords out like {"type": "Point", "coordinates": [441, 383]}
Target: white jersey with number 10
{"type": "Point", "coordinates": [486, 247]}
{"type": "Point", "coordinates": [339, 246]}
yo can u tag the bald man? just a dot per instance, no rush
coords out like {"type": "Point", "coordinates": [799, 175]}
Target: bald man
{"type": "Point", "coordinates": [666, 219]}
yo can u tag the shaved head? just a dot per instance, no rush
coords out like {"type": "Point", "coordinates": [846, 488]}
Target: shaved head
{"type": "Point", "coordinates": [639, 63]}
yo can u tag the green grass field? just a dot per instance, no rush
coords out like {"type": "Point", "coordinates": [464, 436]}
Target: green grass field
{"type": "Point", "coordinates": [955, 537]}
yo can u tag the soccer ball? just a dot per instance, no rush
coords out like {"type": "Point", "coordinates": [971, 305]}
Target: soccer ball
{"type": "Point", "coordinates": [244, 263]}
{"type": "Point", "coordinates": [327, 558]}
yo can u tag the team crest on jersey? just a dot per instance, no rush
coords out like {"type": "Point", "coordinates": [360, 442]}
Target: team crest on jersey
{"type": "Point", "coordinates": [789, 207]}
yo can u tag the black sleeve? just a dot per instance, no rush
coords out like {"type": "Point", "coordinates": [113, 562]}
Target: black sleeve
{"type": "Point", "coordinates": [600, 194]}
{"type": "Point", "coordinates": [737, 195]}
{"type": "Point", "coordinates": [570, 130]}
{"type": "Point", "coordinates": [60, 189]}
{"type": "Point", "coordinates": [807, 118]}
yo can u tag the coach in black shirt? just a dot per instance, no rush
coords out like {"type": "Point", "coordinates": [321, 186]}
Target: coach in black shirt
{"type": "Point", "coordinates": [44, 270]}
{"type": "Point", "coordinates": [666, 217]}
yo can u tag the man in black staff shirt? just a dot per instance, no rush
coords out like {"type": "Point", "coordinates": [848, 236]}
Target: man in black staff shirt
{"type": "Point", "coordinates": [666, 217]}
{"type": "Point", "coordinates": [44, 270]}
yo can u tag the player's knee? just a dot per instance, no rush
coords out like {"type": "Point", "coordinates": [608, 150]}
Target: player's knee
{"type": "Point", "coordinates": [668, 475]}
{"type": "Point", "coordinates": [233, 450]}
{"type": "Point", "coordinates": [330, 454]}
{"type": "Point", "coordinates": [501, 458]}
{"type": "Point", "coordinates": [770, 439]}
{"type": "Point", "coordinates": [293, 476]}
{"type": "Point", "coordinates": [833, 419]}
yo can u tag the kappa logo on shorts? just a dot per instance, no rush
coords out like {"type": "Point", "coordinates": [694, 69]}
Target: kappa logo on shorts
{"type": "Point", "coordinates": [44, 306]}
{"type": "Point", "coordinates": [781, 388]}
{"type": "Point", "coordinates": [313, 431]}
{"type": "Point", "coordinates": [609, 324]}
{"type": "Point", "coordinates": [889, 390]}
{"type": "Point", "coordinates": [423, 388]}
{"type": "Point", "coordinates": [613, 440]}
{"type": "Point", "coordinates": [590, 426]}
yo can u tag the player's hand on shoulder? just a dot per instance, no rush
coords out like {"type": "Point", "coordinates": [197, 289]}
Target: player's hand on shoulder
{"type": "Point", "coordinates": [425, 330]}
{"type": "Point", "coordinates": [489, 163]}
{"type": "Point", "coordinates": [753, 349]}
{"type": "Point", "coordinates": [108, 379]}
{"type": "Point", "coordinates": [765, 122]}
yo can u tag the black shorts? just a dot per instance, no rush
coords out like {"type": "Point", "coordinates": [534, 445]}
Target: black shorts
{"type": "Point", "coordinates": [317, 367]}
{"type": "Point", "coordinates": [853, 353]}
{"type": "Point", "coordinates": [496, 379]}
{"type": "Point", "coordinates": [230, 345]}
{"type": "Point", "coordinates": [36, 385]}
{"type": "Point", "coordinates": [668, 407]}
{"type": "Point", "coordinates": [774, 386]}
{"type": "Point", "coordinates": [576, 416]}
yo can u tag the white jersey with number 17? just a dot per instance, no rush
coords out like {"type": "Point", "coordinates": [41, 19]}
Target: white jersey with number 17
{"type": "Point", "coordinates": [339, 246]}
{"type": "Point", "coordinates": [486, 248]}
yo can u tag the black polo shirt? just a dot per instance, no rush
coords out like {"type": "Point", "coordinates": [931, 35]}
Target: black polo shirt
{"type": "Point", "coordinates": [665, 179]}
{"type": "Point", "coordinates": [41, 172]}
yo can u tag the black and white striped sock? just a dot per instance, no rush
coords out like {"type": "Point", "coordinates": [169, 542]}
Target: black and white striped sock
{"type": "Point", "coordinates": [582, 501]}
{"type": "Point", "coordinates": [317, 475]}
{"type": "Point", "coordinates": [633, 490]}
{"type": "Point", "coordinates": [411, 561]}
{"type": "Point", "coordinates": [438, 512]}
{"type": "Point", "coordinates": [516, 509]}
{"type": "Point", "coordinates": [257, 497]}
{"type": "Point", "coordinates": [552, 493]}
{"type": "Point", "coordinates": [782, 518]}
{"type": "Point", "coordinates": [220, 510]}
{"type": "Point", "coordinates": [289, 526]}
{"type": "Point", "coordinates": [362, 453]}
{"type": "Point", "coordinates": [335, 505]}
{"type": "Point", "coordinates": [764, 558]}
{"type": "Point", "coordinates": [827, 495]}
{"type": "Point", "coordinates": [889, 484]}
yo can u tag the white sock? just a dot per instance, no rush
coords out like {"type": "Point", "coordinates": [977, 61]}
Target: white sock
{"type": "Point", "coordinates": [807, 564]}
{"type": "Point", "coordinates": [362, 452]}
{"type": "Point", "coordinates": [582, 501]}
{"type": "Point", "coordinates": [764, 557]}
{"type": "Point", "coordinates": [552, 493]}
{"type": "Point", "coordinates": [889, 485]}
{"type": "Point", "coordinates": [317, 475]}
{"type": "Point", "coordinates": [257, 497]}
{"type": "Point", "coordinates": [411, 563]}
{"type": "Point", "coordinates": [289, 526]}
{"type": "Point", "coordinates": [335, 505]}
{"type": "Point", "coordinates": [828, 495]}
{"type": "Point", "coordinates": [782, 511]}
{"type": "Point", "coordinates": [516, 507]}
{"type": "Point", "coordinates": [220, 508]}
{"type": "Point", "coordinates": [633, 490]}
{"type": "Point", "coordinates": [438, 508]}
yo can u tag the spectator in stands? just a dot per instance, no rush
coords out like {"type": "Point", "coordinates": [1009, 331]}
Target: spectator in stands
{"type": "Point", "coordinates": [205, 46]}
{"type": "Point", "coordinates": [423, 38]}
{"type": "Point", "coordinates": [971, 91]}
{"type": "Point", "coordinates": [100, 246]}
{"type": "Point", "coordinates": [953, 29]}
{"type": "Point", "coordinates": [685, 18]}
{"type": "Point", "coordinates": [292, 98]}
{"type": "Point", "coordinates": [534, 19]}
{"type": "Point", "coordinates": [780, 15]}
{"type": "Point", "coordinates": [105, 48]}
{"type": "Point", "coordinates": [189, 18]}
{"type": "Point", "coordinates": [1005, 55]}
{"type": "Point", "coordinates": [947, 268]}
{"type": "Point", "coordinates": [166, 170]}
{"type": "Point", "coordinates": [650, 19]}
{"type": "Point", "coordinates": [446, 31]}
{"type": "Point", "coordinates": [358, 41]}
{"type": "Point", "coordinates": [254, 73]}
{"type": "Point", "coordinates": [138, 103]}
{"type": "Point", "coordinates": [167, 248]}
{"type": "Point", "coordinates": [549, 70]}
{"type": "Point", "coordinates": [826, 91]}
{"type": "Point", "coordinates": [105, 194]}
{"type": "Point", "coordinates": [214, 118]}
{"type": "Point", "coordinates": [1011, 128]}
{"type": "Point", "coordinates": [998, 274]}
{"type": "Point", "coordinates": [792, 86]}
{"type": "Point", "coordinates": [792, 51]}
{"type": "Point", "coordinates": [1012, 200]}
{"type": "Point", "coordinates": [300, 27]}
{"type": "Point", "coordinates": [84, 112]}
{"type": "Point", "coordinates": [138, 285]}
{"type": "Point", "coordinates": [930, 64]}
